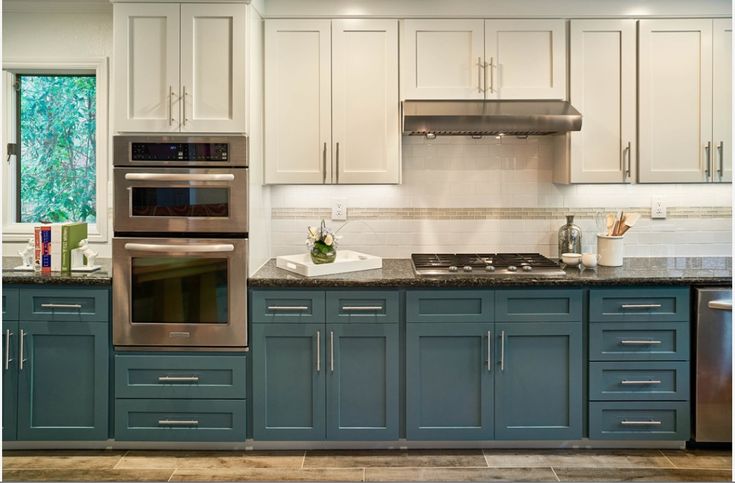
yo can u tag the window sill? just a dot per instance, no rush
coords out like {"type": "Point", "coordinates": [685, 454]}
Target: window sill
{"type": "Point", "coordinates": [21, 233]}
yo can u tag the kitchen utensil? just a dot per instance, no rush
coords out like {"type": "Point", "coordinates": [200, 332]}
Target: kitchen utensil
{"type": "Point", "coordinates": [600, 221]}
{"type": "Point", "coordinates": [610, 223]}
{"type": "Point", "coordinates": [571, 259]}
{"type": "Point", "coordinates": [616, 225]}
{"type": "Point", "coordinates": [610, 249]}
{"type": "Point", "coordinates": [630, 220]}
{"type": "Point", "coordinates": [589, 260]}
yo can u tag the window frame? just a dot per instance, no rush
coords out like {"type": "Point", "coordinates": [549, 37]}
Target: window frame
{"type": "Point", "coordinates": [12, 230]}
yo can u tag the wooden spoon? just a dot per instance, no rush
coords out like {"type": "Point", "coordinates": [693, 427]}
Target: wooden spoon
{"type": "Point", "coordinates": [610, 223]}
{"type": "Point", "coordinates": [630, 220]}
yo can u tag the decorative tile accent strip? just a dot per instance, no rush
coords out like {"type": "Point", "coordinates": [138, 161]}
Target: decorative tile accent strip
{"type": "Point", "coordinates": [492, 213]}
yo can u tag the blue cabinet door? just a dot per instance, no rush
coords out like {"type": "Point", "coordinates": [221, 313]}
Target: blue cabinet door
{"type": "Point", "coordinates": [289, 381]}
{"type": "Point", "coordinates": [10, 380]}
{"type": "Point", "coordinates": [362, 381]}
{"type": "Point", "coordinates": [449, 381]}
{"type": "Point", "coordinates": [538, 385]}
{"type": "Point", "coordinates": [63, 381]}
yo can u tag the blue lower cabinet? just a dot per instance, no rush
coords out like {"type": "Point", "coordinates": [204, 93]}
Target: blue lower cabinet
{"type": "Point", "coordinates": [539, 381]}
{"type": "Point", "coordinates": [639, 420]}
{"type": "Point", "coordinates": [10, 380]}
{"type": "Point", "coordinates": [180, 420]}
{"type": "Point", "coordinates": [289, 374]}
{"type": "Point", "coordinates": [63, 381]}
{"type": "Point", "coordinates": [362, 381]}
{"type": "Point", "coordinates": [449, 381]}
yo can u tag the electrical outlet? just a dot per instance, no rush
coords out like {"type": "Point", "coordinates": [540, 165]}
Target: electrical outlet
{"type": "Point", "coordinates": [658, 210]}
{"type": "Point", "coordinates": [339, 209]}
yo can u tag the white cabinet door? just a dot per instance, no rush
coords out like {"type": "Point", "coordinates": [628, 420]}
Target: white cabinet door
{"type": "Point", "coordinates": [526, 59]}
{"type": "Point", "coordinates": [146, 67]}
{"type": "Point", "coordinates": [603, 88]}
{"type": "Point", "coordinates": [722, 99]}
{"type": "Point", "coordinates": [442, 59]}
{"type": "Point", "coordinates": [675, 100]}
{"type": "Point", "coordinates": [213, 67]}
{"type": "Point", "coordinates": [365, 107]}
{"type": "Point", "coordinates": [298, 123]}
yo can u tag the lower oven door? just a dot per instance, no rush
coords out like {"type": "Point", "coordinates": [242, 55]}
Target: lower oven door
{"type": "Point", "coordinates": [179, 292]}
{"type": "Point", "coordinates": [182, 200]}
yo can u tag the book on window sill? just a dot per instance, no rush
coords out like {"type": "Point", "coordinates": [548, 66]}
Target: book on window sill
{"type": "Point", "coordinates": [54, 243]}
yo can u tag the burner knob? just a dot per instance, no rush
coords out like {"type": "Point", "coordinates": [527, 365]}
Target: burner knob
{"type": "Point", "coordinates": [452, 268]}
{"type": "Point", "coordinates": [527, 268]}
{"type": "Point", "coordinates": [467, 268]}
{"type": "Point", "coordinates": [512, 268]}
{"type": "Point", "coordinates": [489, 268]}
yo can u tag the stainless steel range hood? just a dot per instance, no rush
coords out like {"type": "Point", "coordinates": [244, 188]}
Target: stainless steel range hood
{"type": "Point", "coordinates": [473, 118]}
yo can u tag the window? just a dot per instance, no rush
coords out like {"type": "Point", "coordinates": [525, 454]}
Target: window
{"type": "Point", "coordinates": [55, 128]}
{"type": "Point", "coordinates": [55, 148]}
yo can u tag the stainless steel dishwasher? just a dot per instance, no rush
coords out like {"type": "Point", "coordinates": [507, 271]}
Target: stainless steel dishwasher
{"type": "Point", "coordinates": [713, 373]}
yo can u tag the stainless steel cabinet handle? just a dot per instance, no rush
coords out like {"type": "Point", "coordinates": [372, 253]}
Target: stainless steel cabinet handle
{"type": "Point", "coordinates": [288, 308]}
{"type": "Point", "coordinates": [318, 351]}
{"type": "Point", "coordinates": [640, 383]}
{"type": "Point", "coordinates": [324, 163]}
{"type": "Point", "coordinates": [651, 422]}
{"type": "Point", "coordinates": [178, 378]}
{"type": "Point", "coordinates": [479, 75]}
{"type": "Point", "coordinates": [8, 334]}
{"type": "Point", "coordinates": [720, 305]}
{"type": "Point", "coordinates": [640, 306]}
{"type": "Point", "coordinates": [708, 166]}
{"type": "Point", "coordinates": [627, 161]}
{"type": "Point", "coordinates": [178, 177]}
{"type": "Point", "coordinates": [62, 306]}
{"type": "Point", "coordinates": [492, 75]}
{"type": "Point", "coordinates": [489, 351]}
{"type": "Point", "coordinates": [362, 308]}
{"type": "Point", "coordinates": [21, 354]}
{"type": "Point", "coordinates": [170, 105]}
{"type": "Point", "coordinates": [721, 153]}
{"type": "Point", "coordinates": [502, 350]}
{"type": "Point", "coordinates": [640, 342]}
{"type": "Point", "coordinates": [178, 422]}
{"type": "Point", "coordinates": [337, 163]}
{"type": "Point", "coordinates": [184, 105]}
{"type": "Point", "coordinates": [150, 247]}
{"type": "Point", "coordinates": [331, 351]}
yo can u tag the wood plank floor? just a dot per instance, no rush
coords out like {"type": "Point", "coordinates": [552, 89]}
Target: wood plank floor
{"type": "Point", "coordinates": [388, 465]}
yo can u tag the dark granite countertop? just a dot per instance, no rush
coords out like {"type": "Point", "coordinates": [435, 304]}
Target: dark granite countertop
{"type": "Point", "coordinates": [699, 271]}
{"type": "Point", "coordinates": [102, 277]}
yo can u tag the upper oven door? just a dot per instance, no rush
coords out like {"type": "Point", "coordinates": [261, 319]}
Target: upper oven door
{"type": "Point", "coordinates": [184, 200]}
{"type": "Point", "coordinates": [202, 151]}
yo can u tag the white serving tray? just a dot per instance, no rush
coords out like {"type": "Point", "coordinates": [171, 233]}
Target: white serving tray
{"type": "Point", "coordinates": [346, 261]}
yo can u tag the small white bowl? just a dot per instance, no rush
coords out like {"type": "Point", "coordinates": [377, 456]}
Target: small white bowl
{"type": "Point", "coordinates": [571, 259]}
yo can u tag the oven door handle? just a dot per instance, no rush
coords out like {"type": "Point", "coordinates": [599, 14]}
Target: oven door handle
{"type": "Point", "coordinates": [151, 247]}
{"type": "Point", "coordinates": [178, 177]}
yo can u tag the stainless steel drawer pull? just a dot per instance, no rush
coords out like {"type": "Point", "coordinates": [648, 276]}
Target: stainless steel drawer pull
{"type": "Point", "coordinates": [640, 306]}
{"type": "Point", "coordinates": [8, 335]}
{"type": "Point", "coordinates": [502, 351]}
{"type": "Point", "coordinates": [178, 177]}
{"type": "Point", "coordinates": [639, 383]}
{"type": "Point", "coordinates": [651, 422]}
{"type": "Point", "coordinates": [288, 308]}
{"type": "Point", "coordinates": [318, 351]}
{"type": "Point", "coordinates": [640, 342]}
{"type": "Point", "coordinates": [362, 308]}
{"type": "Point", "coordinates": [489, 351]}
{"type": "Point", "coordinates": [720, 305]}
{"type": "Point", "coordinates": [62, 306]}
{"type": "Point", "coordinates": [21, 355]}
{"type": "Point", "coordinates": [178, 422]}
{"type": "Point", "coordinates": [178, 378]}
{"type": "Point", "coordinates": [331, 351]}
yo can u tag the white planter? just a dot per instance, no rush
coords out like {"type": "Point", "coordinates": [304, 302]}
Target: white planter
{"type": "Point", "coordinates": [610, 250]}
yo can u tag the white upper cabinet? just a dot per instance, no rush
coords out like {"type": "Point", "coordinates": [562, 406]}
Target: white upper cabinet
{"type": "Point", "coordinates": [526, 59]}
{"type": "Point", "coordinates": [442, 59]}
{"type": "Point", "coordinates": [675, 105]}
{"type": "Point", "coordinates": [146, 67]}
{"type": "Point", "coordinates": [365, 106]}
{"type": "Point", "coordinates": [298, 111]}
{"type": "Point", "coordinates": [722, 99]}
{"type": "Point", "coordinates": [179, 67]}
{"type": "Point", "coordinates": [602, 84]}
{"type": "Point", "coordinates": [213, 68]}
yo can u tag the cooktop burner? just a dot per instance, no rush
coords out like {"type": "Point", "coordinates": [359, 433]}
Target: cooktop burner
{"type": "Point", "coordinates": [512, 264]}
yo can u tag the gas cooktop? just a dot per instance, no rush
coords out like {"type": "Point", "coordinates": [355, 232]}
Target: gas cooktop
{"type": "Point", "coordinates": [490, 264]}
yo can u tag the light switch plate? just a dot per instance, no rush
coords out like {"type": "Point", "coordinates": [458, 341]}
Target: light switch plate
{"type": "Point", "coordinates": [658, 210]}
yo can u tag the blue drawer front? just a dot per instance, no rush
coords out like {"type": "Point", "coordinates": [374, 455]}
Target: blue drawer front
{"type": "Point", "coordinates": [287, 306]}
{"type": "Point", "coordinates": [631, 341]}
{"type": "Point", "coordinates": [180, 376]}
{"type": "Point", "coordinates": [619, 381]}
{"type": "Point", "coordinates": [639, 420]}
{"type": "Point", "coordinates": [639, 304]}
{"type": "Point", "coordinates": [180, 420]}
{"type": "Point", "coordinates": [363, 306]}
{"type": "Point", "coordinates": [545, 305]}
{"type": "Point", "coordinates": [10, 303]}
{"type": "Point", "coordinates": [449, 306]}
{"type": "Point", "coordinates": [72, 304]}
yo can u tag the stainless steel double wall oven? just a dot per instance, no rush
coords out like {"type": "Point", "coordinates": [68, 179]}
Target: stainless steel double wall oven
{"type": "Point", "coordinates": [180, 245]}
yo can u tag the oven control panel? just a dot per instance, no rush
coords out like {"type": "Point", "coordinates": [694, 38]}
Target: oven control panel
{"type": "Point", "coordinates": [165, 151]}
